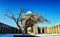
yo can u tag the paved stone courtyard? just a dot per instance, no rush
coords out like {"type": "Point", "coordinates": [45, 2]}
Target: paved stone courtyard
{"type": "Point", "coordinates": [38, 35]}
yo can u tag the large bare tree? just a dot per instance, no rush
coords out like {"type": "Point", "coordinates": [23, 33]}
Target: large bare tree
{"type": "Point", "coordinates": [40, 18]}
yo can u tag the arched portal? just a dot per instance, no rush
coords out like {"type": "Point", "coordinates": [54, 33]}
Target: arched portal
{"type": "Point", "coordinates": [29, 23]}
{"type": "Point", "coordinates": [39, 30]}
{"type": "Point", "coordinates": [42, 30]}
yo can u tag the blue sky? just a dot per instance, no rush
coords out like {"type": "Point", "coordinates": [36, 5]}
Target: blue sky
{"type": "Point", "coordinates": [50, 9]}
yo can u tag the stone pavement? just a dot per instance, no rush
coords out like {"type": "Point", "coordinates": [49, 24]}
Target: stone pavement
{"type": "Point", "coordinates": [38, 35]}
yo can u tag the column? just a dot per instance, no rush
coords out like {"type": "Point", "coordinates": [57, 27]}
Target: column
{"type": "Point", "coordinates": [35, 29]}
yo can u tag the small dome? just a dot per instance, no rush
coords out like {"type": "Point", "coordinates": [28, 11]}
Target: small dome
{"type": "Point", "coordinates": [29, 12]}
